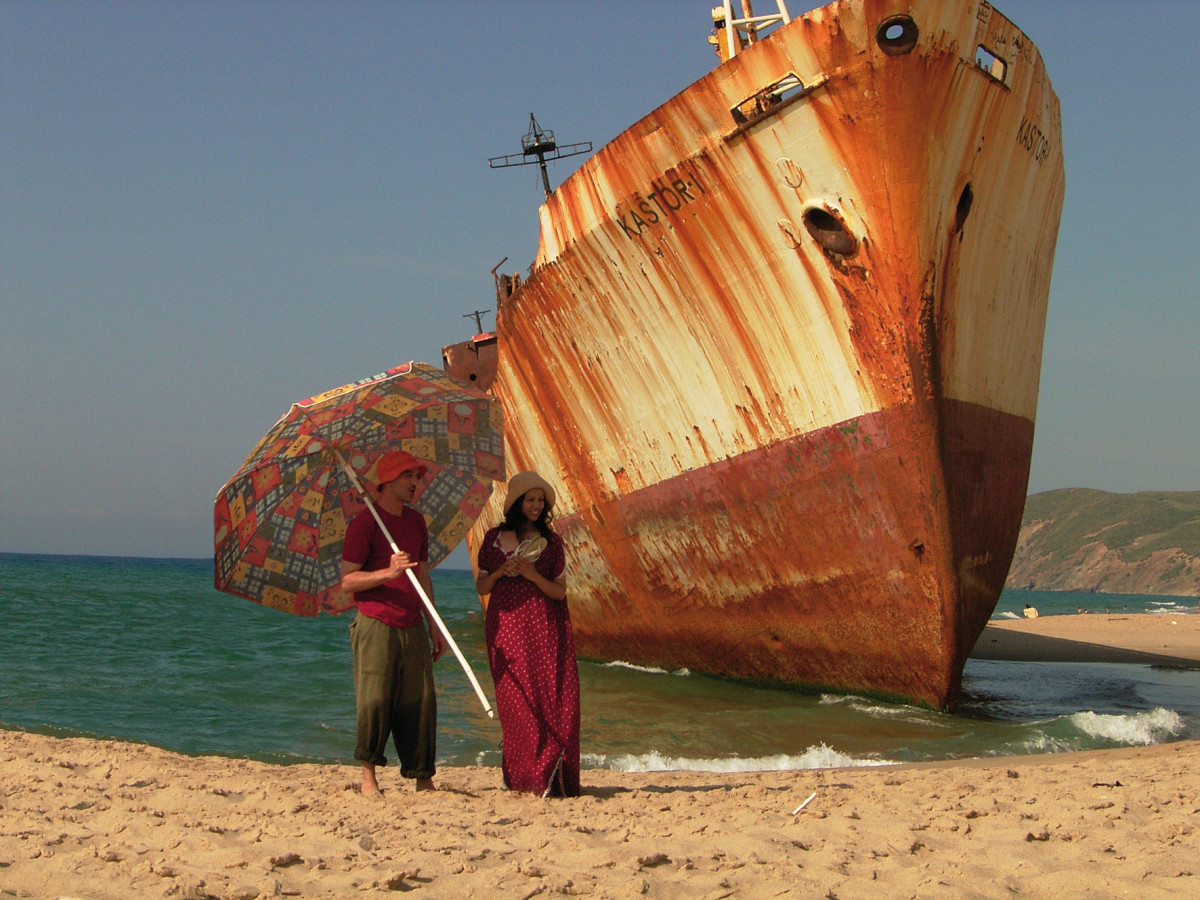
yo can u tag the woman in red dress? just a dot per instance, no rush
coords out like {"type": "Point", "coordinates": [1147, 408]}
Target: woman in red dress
{"type": "Point", "coordinates": [530, 646]}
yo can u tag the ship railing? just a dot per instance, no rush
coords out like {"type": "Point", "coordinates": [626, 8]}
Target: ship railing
{"type": "Point", "coordinates": [742, 31]}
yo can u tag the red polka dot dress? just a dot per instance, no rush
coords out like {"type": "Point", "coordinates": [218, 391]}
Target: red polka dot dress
{"type": "Point", "coordinates": [532, 655]}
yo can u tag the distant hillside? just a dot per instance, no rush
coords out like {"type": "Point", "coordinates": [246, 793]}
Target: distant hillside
{"type": "Point", "coordinates": [1084, 540]}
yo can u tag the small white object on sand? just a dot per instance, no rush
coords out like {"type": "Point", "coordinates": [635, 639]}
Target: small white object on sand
{"type": "Point", "coordinates": [805, 803]}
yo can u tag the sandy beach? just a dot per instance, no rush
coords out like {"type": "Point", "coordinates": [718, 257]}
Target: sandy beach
{"type": "Point", "coordinates": [99, 820]}
{"type": "Point", "coordinates": [1149, 638]}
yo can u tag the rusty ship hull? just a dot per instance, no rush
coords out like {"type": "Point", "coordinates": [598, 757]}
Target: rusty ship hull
{"type": "Point", "coordinates": [780, 352]}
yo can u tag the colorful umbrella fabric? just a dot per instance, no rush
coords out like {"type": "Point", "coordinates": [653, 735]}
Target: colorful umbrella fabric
{"type": "Point", "coordinates": [280, 521]}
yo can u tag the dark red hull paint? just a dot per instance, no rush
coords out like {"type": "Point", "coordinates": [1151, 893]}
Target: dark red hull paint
{"type": "Point", "coordinates": [825, 595]}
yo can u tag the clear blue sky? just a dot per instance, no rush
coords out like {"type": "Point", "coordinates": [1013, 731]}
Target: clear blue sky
{"type": "Point", "coordinates": [211, 209]}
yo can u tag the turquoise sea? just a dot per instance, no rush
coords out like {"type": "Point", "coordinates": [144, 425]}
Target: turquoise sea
{"type": "Point", "coordinates": [147, 650]}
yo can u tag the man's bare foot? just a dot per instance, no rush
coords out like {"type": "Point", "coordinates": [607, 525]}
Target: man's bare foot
{"type": "Point", "coordinates": [370, 786]}
{"type": "Point", "coordinates": [425, 784]}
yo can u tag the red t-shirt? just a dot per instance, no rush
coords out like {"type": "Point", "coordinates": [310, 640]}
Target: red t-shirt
{"type": "Point", "coordinates": [396, 602]}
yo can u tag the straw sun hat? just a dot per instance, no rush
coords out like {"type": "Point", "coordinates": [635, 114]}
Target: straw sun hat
{"type": "Point", "coordinates": [524, 482]}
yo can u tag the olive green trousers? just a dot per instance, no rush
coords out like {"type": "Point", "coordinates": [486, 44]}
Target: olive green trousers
{"type": "Point", "coordinates": [394, 691]}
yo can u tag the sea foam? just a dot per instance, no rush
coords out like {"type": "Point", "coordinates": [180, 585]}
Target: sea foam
{"type": "Point", "coordinates": [818, 756]}
{"type": "Point", "coordinates": [649, 670]}
{"type": "Point", "coordinates": [899, 712]}
{"type": "Point", "coordinates": [1144, 728]}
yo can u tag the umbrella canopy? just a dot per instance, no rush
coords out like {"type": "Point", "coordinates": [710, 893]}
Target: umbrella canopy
{"type": "Point", "coordinates": [281, 519]}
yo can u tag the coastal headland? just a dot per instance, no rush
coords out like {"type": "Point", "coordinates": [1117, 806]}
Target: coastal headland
{"type": "Point", "coordinates": [103, 820]}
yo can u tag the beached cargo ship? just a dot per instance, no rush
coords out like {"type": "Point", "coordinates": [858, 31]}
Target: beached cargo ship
{"type": "Point", "coordinates": [780, 351]}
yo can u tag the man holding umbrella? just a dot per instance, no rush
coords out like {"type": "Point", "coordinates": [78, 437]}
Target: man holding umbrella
{"type": "Point", "coordinates": [393, 671]}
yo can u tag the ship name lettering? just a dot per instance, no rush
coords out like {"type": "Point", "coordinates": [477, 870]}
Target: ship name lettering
{"type": "Point", "coordinates": [636, 223]}
{"type": "Point", "coordinates": [1033, 139]}
{"type": "Point", "coordinates": [665, 198]}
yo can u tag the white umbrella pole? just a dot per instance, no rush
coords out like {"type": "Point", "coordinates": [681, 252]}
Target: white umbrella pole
{"type": "Point", "coordinates": [429, 607]}
{"type": "Point", "coordinates": [487, 707]}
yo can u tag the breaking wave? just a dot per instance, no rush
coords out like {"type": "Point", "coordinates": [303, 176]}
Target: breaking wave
{"type": "Point", "coordinates": [818, 756]}
{"type": "Point", "coordinates": [1144, 728]}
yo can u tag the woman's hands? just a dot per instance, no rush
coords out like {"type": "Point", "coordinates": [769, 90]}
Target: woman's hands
{"type": "Point", "coordinates": [519, 566]}
{"type": "Point", "coordinates": [513, 567]}
{"type": "Point", "coordinates": [516, 565]}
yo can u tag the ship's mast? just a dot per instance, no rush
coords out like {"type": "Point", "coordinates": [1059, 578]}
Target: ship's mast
{"type": "Point", "coordinates": [540, 144]}
{"type": "Point", "coordinates": [477, 315]}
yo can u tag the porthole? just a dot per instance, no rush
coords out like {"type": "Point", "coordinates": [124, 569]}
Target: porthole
{"type": "Point", "coordinates": [897, 35]}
